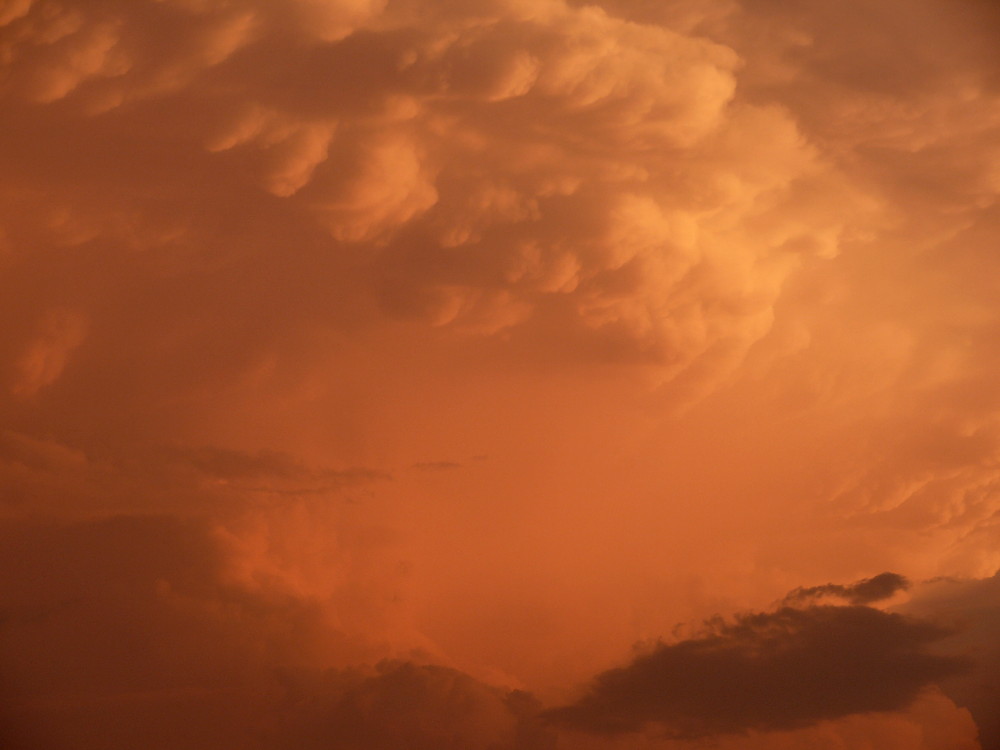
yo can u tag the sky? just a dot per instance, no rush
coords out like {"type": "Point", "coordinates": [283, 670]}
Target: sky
{"type": "Point", "coordinates": [499, 374]}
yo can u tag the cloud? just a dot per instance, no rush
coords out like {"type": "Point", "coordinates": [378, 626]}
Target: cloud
{"type": "Point", "coordinates": [403, 704]}
{"type": "Point", "coordinates": [114, 626]}
{"type": "Point", "coordinates": [971, 609]}
{"type": "Point", "coordinates": [492, 168]}
{"type": "Point", "coordinates": [117, 622]}
{"type": "Point", "coordinates": [43, 475]}
{"type": "Point", "coordinates": [251, 253]}
{"type": "Point", "coordinates": [770, 671]}
{"type": "Point", "coordinates": [932, 722]}
{"type": "Point", "coordinates": [267, 471]}
{"type": "Point", "coordinates": [47, 355]}
{"type": "Point", "coordinates": [867, 591]}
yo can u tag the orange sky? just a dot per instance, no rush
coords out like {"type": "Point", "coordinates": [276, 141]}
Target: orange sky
{"type": "Point", "coordinates": [474, 374]}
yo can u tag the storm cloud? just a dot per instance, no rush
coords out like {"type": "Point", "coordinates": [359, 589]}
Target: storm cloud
{"type": "Point", "coordinates": [711, 282]}
{"type": "Point", "coordinates": [770, 671]}
{"type": "Point", "coordinates": [868, 591]}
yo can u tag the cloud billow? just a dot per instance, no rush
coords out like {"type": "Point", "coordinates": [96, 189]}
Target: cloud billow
{"type": "Point", "coordinates": [770, 671]}
{"type": "Point", "coordinates": [713, 284]}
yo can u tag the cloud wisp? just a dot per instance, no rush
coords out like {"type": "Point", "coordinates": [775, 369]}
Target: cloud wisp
{"type": "Point", "coordinates": [868, 591]}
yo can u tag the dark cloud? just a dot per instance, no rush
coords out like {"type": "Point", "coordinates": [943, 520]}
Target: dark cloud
{"type": "Point", "coordinates": [782, 670]}
{"type": "Point", "coordinates": [866, 591]}
{"type": "Point", "coordinates": [115, 623]}
{"type": "Point", "coordinates": [128, 632]}
{"type": "Point", "coordinates": [406, 705]}
{"type": "Point", "coordinates": [971, 608]}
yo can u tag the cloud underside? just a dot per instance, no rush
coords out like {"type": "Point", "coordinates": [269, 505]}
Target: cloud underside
{"type": "Point", "coordinates": [485, 166]}
{"type": "Point", "coordinates": [713, 285]}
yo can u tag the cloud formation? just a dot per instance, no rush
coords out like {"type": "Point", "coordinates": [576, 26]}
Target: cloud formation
{"type": "Point", "coordinates": [491, 165]}
{"type": "Point", "coordinates": [402, 704]}
{"type": "Point", "coordinates": [971, 608]}
{"type": "Point", "coordinates": [768, 671]}
{"type": "Point", "coordinates": [711, 283]}
{"type": "Point", "coordinates": [115, 628]}
{"type": "Point", "coordinates": [867, 591]}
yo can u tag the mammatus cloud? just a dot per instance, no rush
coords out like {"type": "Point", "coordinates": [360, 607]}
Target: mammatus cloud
{"type": "Point", "coordinates": [492, 166]}
{"type": "Point", "coordinates": [248, 247]}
